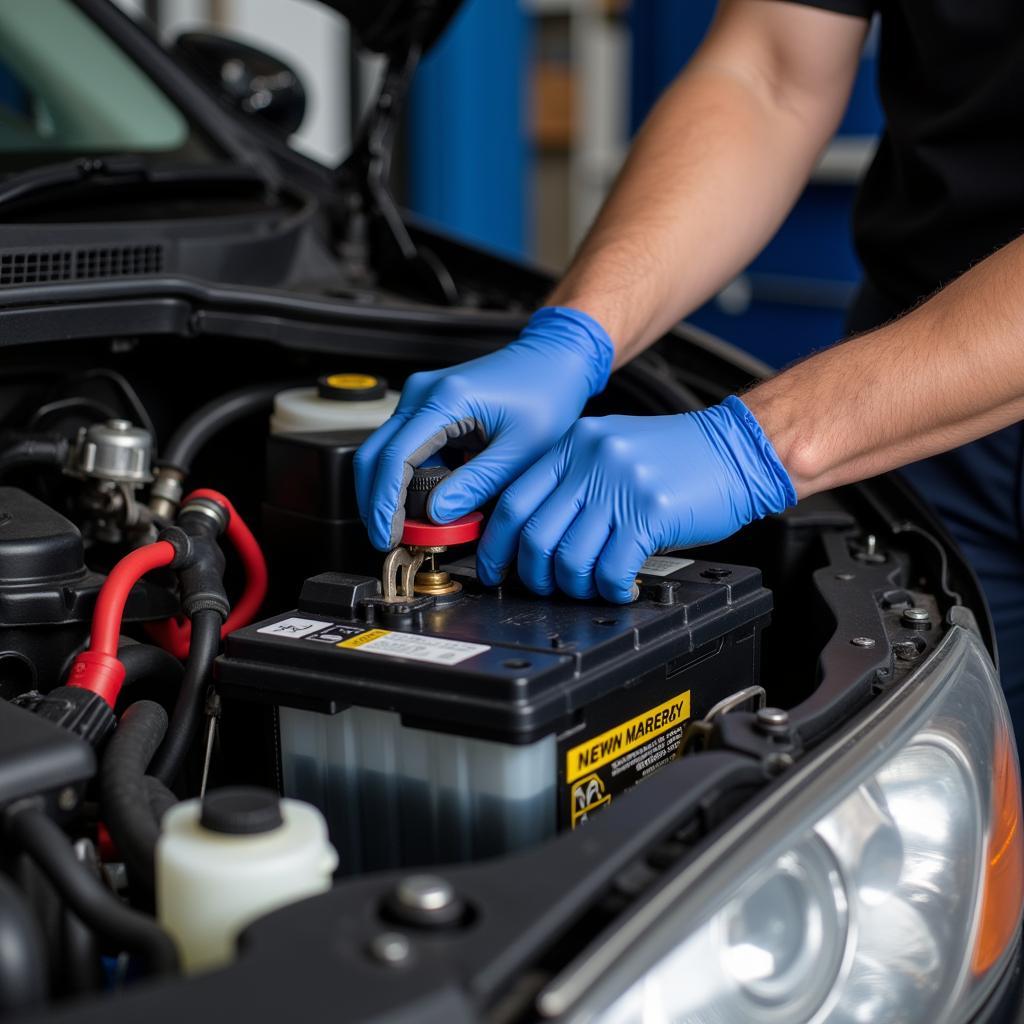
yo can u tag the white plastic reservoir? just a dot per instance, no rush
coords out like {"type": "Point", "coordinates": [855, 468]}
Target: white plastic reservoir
{"type": "Point", "coordinates": [228, 859]}
{"type": "Point", "coordinates": [339, 401]}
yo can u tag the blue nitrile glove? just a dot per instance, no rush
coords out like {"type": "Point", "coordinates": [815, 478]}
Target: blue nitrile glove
{"type": "Point", "coordinates": [617, 489]}
{"type": "Point", "coordinates": [518, 401]}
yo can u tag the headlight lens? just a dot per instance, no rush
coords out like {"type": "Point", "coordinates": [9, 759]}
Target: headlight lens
{"type": "Point", "coordinates": [899, 899]}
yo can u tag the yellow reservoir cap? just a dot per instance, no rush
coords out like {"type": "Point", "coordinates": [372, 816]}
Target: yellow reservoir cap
{"type": "Point", "coordinates": [352, 387]}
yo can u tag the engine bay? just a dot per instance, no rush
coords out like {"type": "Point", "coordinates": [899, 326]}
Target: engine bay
{"type": "Point", "coordinates": [211, 680]}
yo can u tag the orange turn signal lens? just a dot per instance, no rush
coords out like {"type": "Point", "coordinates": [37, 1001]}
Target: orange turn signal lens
{"type": "Point", "coordinates": [1003, 897]}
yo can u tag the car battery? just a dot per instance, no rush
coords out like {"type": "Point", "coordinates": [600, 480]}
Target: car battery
{"type": "Point", "coordinates": [462, 726]}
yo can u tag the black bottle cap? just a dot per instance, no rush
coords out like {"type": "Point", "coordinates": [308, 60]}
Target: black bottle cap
{"type": "Point", "coordinates": [241, 811]}
{"type": "Point", "coordinates": [351, 387]}
{"type": "Point", "coordinates": [424, 480]}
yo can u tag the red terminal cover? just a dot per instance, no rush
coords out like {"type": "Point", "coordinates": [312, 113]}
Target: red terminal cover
{"type": "Point", "coordinates": [421, 534]}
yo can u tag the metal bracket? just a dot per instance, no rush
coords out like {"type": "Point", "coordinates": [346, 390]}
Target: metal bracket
{"type": "Point", "coordinates": [735, 700]}
{"type": "Point", "coordinates": [399, 575]}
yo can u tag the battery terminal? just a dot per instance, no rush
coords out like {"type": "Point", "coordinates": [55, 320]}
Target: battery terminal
{"type": "Point", "coordinates": [404, 575]}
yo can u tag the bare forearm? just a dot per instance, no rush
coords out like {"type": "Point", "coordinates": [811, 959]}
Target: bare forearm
{"type": "Point", "coordinates": [945, 374]}
{"type": "Point", "coordinates": [713, 172]}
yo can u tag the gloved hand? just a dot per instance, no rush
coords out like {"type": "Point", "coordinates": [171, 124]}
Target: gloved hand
{"type": "Point", "coordinates": [617, 489]}
{"type": "Point", "coordinates": [518, 400]}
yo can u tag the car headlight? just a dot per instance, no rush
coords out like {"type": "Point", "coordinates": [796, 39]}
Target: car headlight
{"type": "Point", "coordinates": [883, 880]}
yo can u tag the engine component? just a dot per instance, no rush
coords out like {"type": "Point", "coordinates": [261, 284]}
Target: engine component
{"type": "Point", "coordinates": [115, 451]}
{"type": "Point", "coordinates": [310, 517]}
{"type": "Point", "coordinates": [114, 459]}
{"type": "Point", "coordinates": [37, 756]}
{"type": "Point", "coordinates": [340, 401]}
{"type": "Point", "coordinates": [454, 728]}
{"type": "Point", "coordinates": [47, 593]}
{"type": "Point", "coordinates": [231, 857]}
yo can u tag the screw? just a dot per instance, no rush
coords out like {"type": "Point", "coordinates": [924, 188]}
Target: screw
{"type": "Point", "coordinates": [916, 617]}
{"type": "Point", "coordinates": [870, 552]}
{"type": "Point", "coordinates": [424, 893]}
{"type": "Point", "coordinates": [772, 719]}
{"type": "Point", "coordinates": [906, 650]}
{"type": "Point", "coordinates": [862, 641]}
{"type": "Point", "coordinates": [67, 799]}
{"type": "Point", "coordinates": [390, 948]}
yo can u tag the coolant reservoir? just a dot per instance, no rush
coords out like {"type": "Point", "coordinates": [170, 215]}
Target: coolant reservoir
{"type": "Point", "coordinates": [340, 401]}
{"type": "Point", "coordinates": [235, 855]}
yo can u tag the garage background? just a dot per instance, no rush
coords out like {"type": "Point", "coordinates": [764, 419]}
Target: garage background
{"type": "Point", "coordinates": [520, 119]}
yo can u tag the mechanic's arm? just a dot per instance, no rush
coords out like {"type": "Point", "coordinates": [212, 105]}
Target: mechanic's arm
{"type": "Point", "coordinates": [616, 489]}
{"type": "Point", "coordinates": [949, 372]}
{"type": "Point", "coordinates": [716, 167]}
{"type": "Point", "coordinates": [714, 171]}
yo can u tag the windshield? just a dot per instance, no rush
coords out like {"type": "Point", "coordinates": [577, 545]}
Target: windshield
{"type": "Point", "coordinates": [67, 90]}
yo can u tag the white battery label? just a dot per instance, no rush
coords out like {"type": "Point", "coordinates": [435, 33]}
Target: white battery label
{"type": "Point", "coordinates": [293, 628]}
{"type": "Point", "coordinates": [432, 649]}
{"type": "Point", "coordinates": [662, 565]}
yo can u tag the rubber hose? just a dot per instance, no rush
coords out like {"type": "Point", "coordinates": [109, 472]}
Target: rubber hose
{"type": "Point", "coordinates": [160, 798]}
{"type": "Point", "coordinates": [124, 800]}
{"type": "Point", "coordinates": [31, 450]}
{"type": "Point", "coordinates": [29, 827]}
{"type": "Point", "coordinates": [22, 952]}
{"type": "Point", "coordinates": [203, 649]}
{"type": "Point", "coordinates": [149, 662]}
{"type": "Point", "coordinates": [208, 420]}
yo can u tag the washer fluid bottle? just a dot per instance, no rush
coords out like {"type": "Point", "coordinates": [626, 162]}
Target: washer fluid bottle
{"type": "Point", "coordinates": [340, 401]}
{"type": "Point", "coordinates": [228, 859]}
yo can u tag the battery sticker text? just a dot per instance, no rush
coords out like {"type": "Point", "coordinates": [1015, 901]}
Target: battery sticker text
{"type": "Point", "coordinates": [293, 628]}
{"type": "Point", "coordinates": [432, 649]}
{"type": "Point", "coordinates": [587, 757]}
{"type": "Point", "coordinates": [662, 565]}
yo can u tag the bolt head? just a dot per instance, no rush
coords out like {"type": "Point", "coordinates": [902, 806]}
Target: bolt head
{"type": "Point", "coordinates": [917, 615]}
{"type": "Point", "coordinates": [772, 718]}
{"type": "Point", "coordinates": [390, 948]}
{"type": "Point", "coordinates": [778, 762]}
{"type": "Point", "coordinates": [67, 799]}
{"type": "Point", "coordinates": [424, 893]}
{"type": "Point", "coordinates": [863, 641]}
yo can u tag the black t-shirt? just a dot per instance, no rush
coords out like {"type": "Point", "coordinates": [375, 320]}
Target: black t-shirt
{"type": "Point", "coordinates": [947, 186]}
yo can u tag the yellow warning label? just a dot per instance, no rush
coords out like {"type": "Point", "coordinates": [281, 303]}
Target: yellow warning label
{"type": "Point", "coordinates": [599, 750]}
{"type": "Point", "coordinates": [364, 638]}
{"type": "Point", "coordinates": [587, 796]}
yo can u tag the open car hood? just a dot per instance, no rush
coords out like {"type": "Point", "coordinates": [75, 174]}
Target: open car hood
{"type": "Point", "coordinates": [386, 26]}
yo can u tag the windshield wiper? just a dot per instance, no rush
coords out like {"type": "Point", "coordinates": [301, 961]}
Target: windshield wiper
{"type": "Point", "coordinates": [122, 170]}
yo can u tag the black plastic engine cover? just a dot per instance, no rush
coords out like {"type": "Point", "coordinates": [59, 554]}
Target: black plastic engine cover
{"type": "Point", "coordinates": [47, 594]}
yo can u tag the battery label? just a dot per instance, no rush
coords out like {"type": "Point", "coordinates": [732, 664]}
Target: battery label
{"type": "Point", "coordinates": [293, 628]}
{"type": "Point", "coordinates": [432, 649]}
{"type": "Point", "coordinates": [662, 565]}
{"type": "Point", "coordinates": [614, 760]}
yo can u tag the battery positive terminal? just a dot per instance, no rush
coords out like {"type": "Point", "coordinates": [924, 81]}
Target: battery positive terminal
{"type": "Point", "coordinates": [410, 568]}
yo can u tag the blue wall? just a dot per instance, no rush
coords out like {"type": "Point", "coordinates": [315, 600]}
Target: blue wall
{"type": "Point", "coordinates": [468, 156]}
{"type": "Point", "coordinates": [793, 297]}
